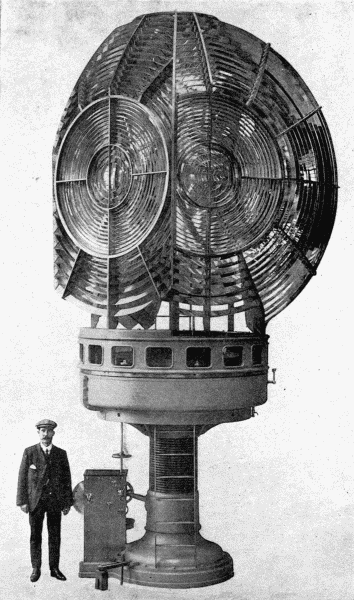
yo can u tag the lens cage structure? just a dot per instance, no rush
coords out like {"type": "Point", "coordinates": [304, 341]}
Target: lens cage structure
{"type": "Point", "coordinates": [194, 166]}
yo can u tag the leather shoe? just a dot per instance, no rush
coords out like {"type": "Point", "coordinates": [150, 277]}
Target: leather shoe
{"type": "Point", "coordinates": [35, 575]}
{"type": "Point", "coordinates": [57, 574]}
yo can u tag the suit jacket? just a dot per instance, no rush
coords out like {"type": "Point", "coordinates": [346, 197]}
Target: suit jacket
{"type": "Point", "coordinates": [33, 475]}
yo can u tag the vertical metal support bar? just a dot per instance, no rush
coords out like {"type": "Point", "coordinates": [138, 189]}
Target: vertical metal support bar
{"type": "Point", "coordinates": [121, 447]}
{"type": "Point", "coordinates": [207, 307]}
{"type": "Point", "coordinates": [174, 316]}
{"type": "Point", "coordinates": [208, 78]}
{"type": "Point", "coordinates": [155, 478]}
{"type": "Point", "coordinates": [195, 489]}
{"type": "Point", "coordinates": [230, 319]}
{"type": "Point", "coordinates": [109, 312]}
{"type": "Point", "coordinates": [110, 324]}
{"type": "Point", "coordinates": [208, 225]}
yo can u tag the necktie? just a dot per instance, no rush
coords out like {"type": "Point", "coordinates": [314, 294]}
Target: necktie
{"type": "Point", "coordinates": [48, 465]}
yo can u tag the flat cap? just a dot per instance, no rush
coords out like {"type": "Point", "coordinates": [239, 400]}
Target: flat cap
{"type": "Point", "coordinates": [46, 423]}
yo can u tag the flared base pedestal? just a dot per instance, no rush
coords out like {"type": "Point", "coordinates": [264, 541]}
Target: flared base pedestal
{"type": "Point", "coordinates": [201, 576]}
{"type": "Point", "coordinates": [169, 577]}
{"type": "Point", "coordinates": [176, 561]}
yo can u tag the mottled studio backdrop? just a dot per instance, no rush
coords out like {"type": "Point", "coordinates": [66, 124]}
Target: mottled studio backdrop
{"type": "Point", "coordinates": [276, 491]}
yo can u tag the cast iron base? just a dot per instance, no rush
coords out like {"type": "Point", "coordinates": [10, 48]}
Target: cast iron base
{"type": "Point", "coordinates": [169, 577]}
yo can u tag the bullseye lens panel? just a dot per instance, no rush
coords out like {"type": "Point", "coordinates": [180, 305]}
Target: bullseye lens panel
{"type": "Point", "coordinates": [112, 176]}
{"type": "Point", "coordinates": [229, 176]}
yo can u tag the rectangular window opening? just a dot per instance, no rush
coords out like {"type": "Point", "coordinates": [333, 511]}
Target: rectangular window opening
{"type": "Point", "coordinates": [122, 356]}
{"type": "Point", "coordinates": [257, 351]}
{"type": "Point", "coordinates": [95, 354]}
{"type": "Point", "coordinates": [159, 356]}
{"type": "Point", "coordinates": [233, 356]}
{"type": "Point", "coordinates": [198, 357]}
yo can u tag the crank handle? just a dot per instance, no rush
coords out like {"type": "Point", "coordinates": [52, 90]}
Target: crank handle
{"type": "Point", "coordinates": [138, 497]}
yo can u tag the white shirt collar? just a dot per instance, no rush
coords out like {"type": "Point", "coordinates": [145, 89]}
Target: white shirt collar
{"type": "Point", "coordinates": [45, 448]}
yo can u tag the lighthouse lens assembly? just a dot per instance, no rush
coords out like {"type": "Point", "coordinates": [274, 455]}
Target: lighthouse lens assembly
{"type": "Point", "coordinates": [195, 189]}
{"type": "Point", "coordinates": [193, 165]}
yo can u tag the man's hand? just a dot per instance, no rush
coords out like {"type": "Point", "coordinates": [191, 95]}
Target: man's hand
{"type": "Point", "coordinates": [24, 507]}
{"type": "Point", "coordinates": [66, 510]}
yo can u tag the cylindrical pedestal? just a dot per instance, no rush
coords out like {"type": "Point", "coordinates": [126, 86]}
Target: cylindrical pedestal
{"type": "Point", "coordinates": [172, 553]}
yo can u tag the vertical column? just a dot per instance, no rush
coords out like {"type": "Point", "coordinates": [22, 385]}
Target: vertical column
{"type": "Point", "coordinates": [172, 501]}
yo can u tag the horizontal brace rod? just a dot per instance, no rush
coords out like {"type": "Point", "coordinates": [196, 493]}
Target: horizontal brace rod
{"type": "Point", "coordinates": [70, 180]}
{"type": "Point", "coordinates": [148, 173]}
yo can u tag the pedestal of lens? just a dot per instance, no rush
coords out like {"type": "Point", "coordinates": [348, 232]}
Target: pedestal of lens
{"type": "Point", "coordinates": [172, 553]}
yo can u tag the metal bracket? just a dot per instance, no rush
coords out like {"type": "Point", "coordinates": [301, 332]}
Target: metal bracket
{"type": "Point", "coordinates": [272, 380]}
{"type": "Point", "coordinates": [101, 581]}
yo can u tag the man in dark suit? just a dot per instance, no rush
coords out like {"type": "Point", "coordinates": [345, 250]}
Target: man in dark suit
{"type": "Point", "coordinates": [44, 486]}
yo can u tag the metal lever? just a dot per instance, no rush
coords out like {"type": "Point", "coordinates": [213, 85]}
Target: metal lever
{"type": "Point", "coordinates": [272, 380]}
{"type": "Point", "coordinates": [131, 494]}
